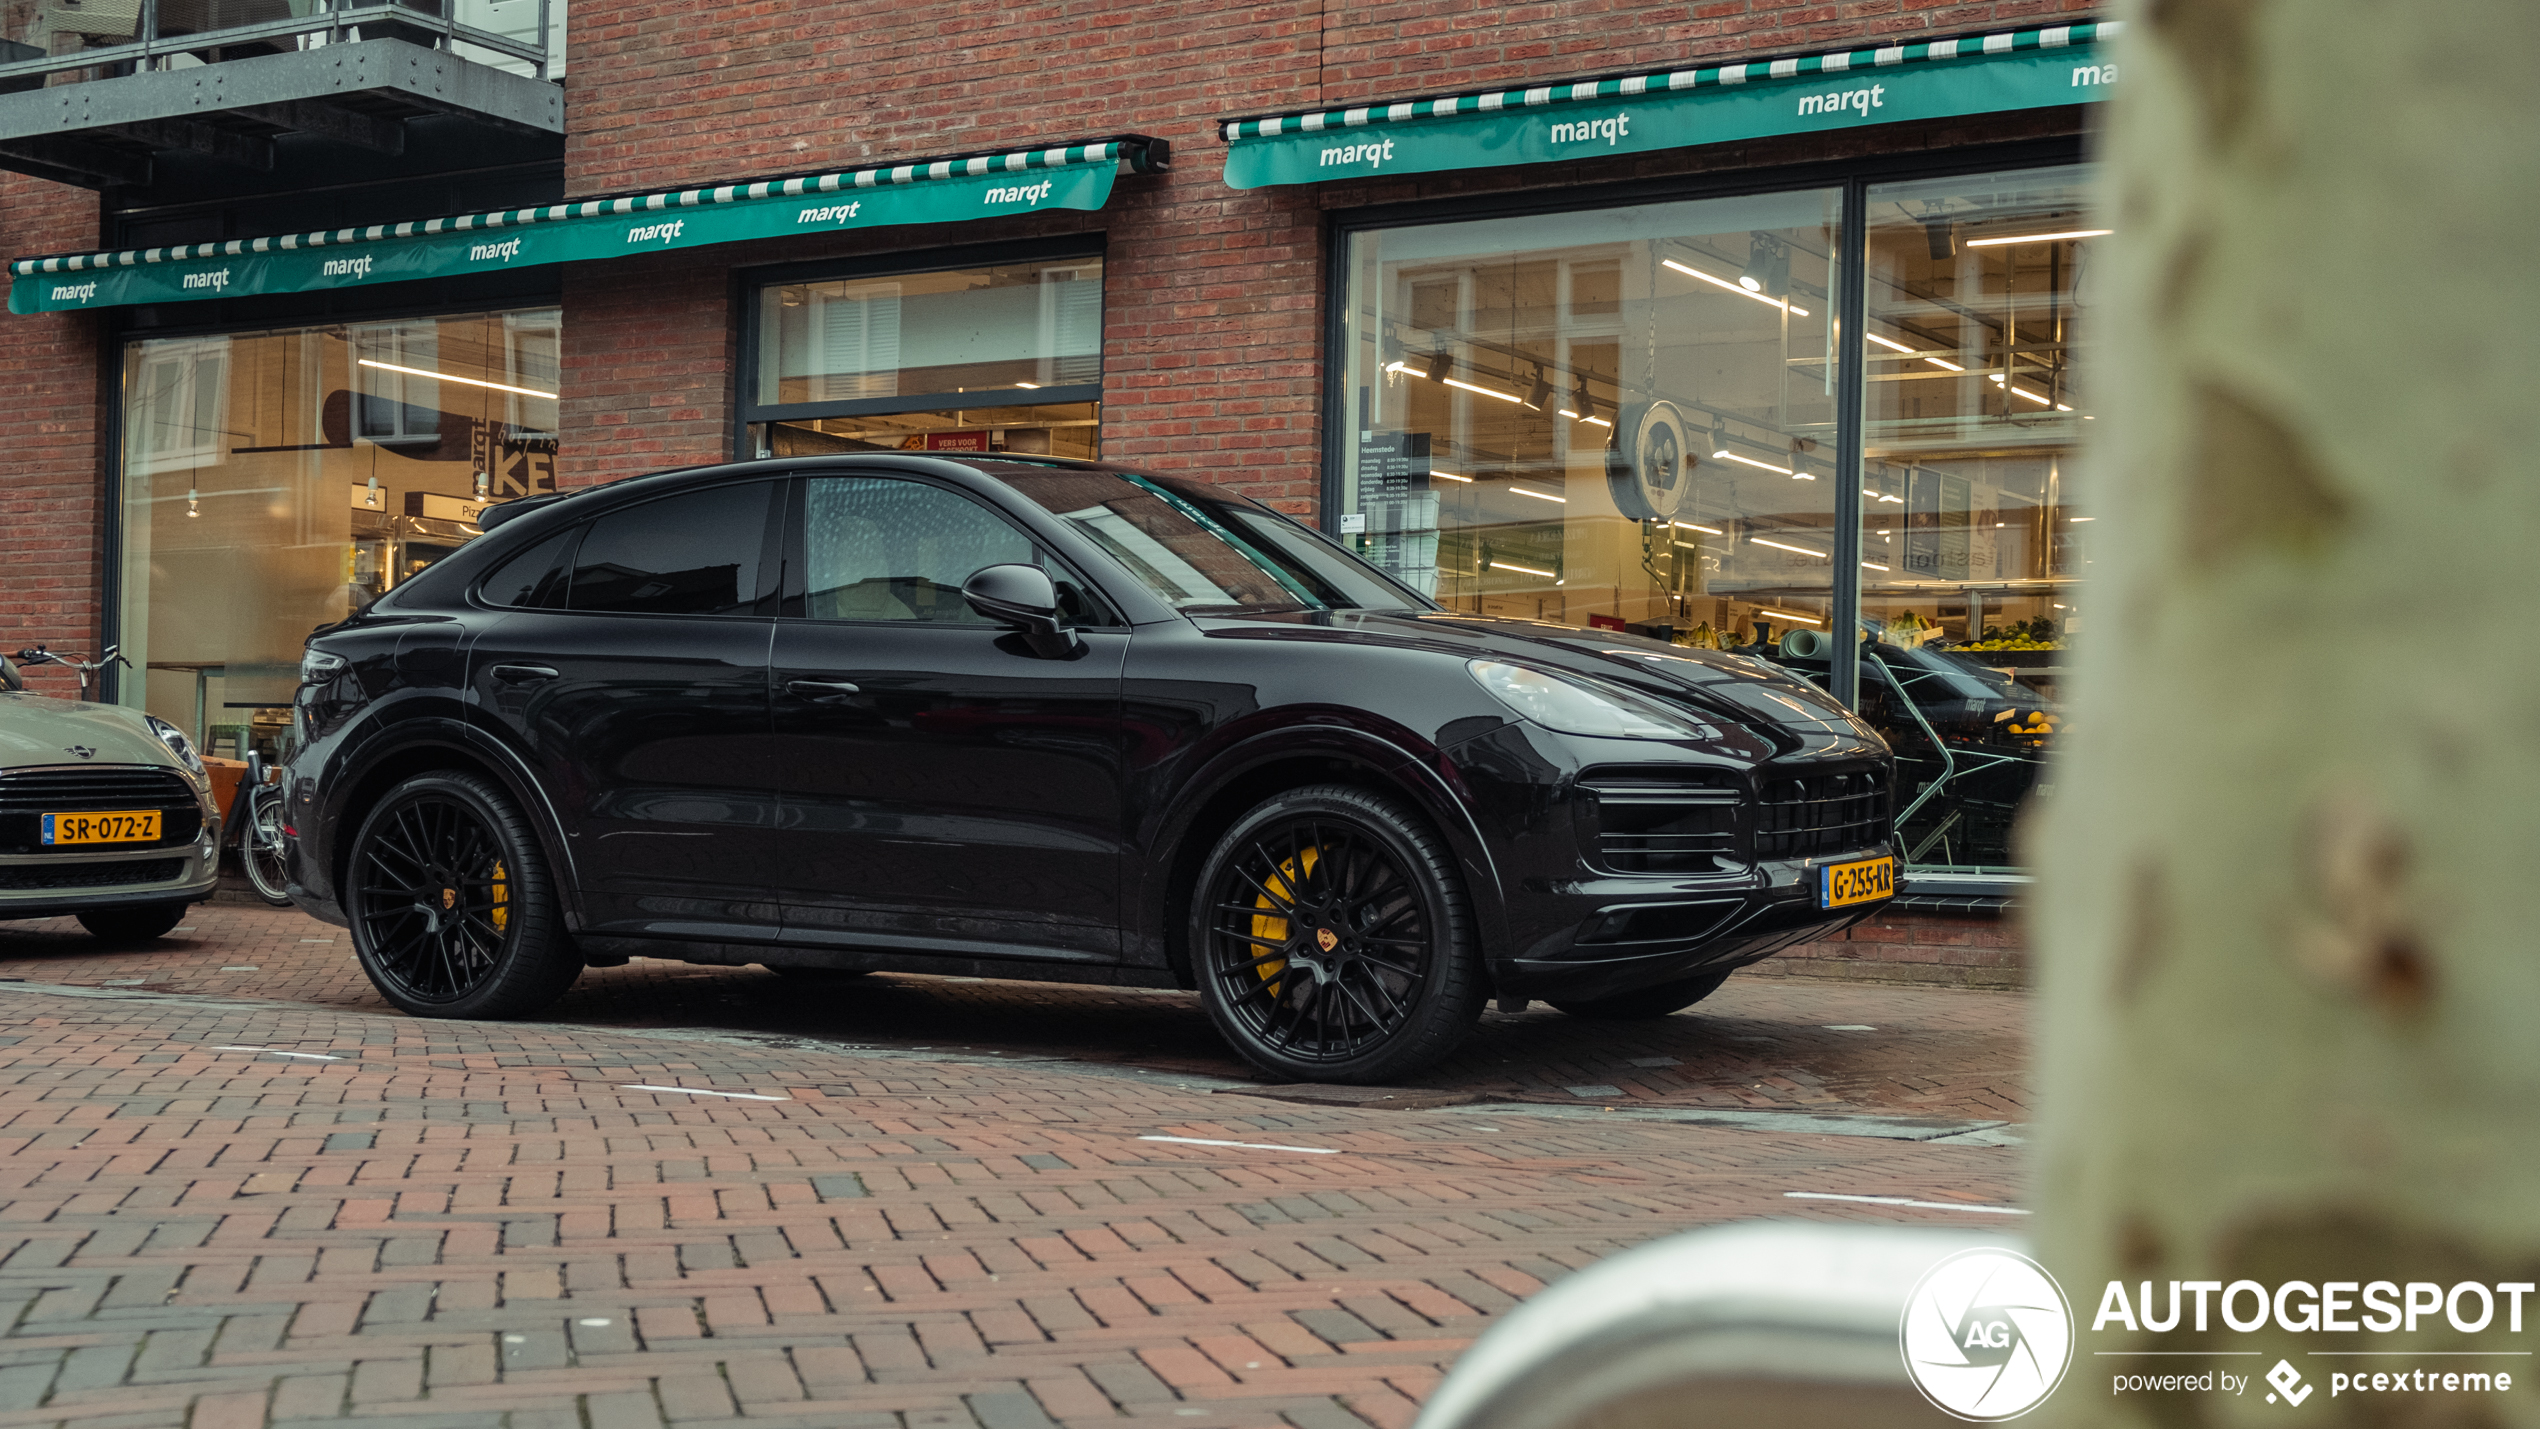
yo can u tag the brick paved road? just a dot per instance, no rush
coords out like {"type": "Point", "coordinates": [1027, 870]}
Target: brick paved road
{"type": "Point", "coordinates": [1759, 1042]}
{"type": "Point", "coordinates": [469, 1224]}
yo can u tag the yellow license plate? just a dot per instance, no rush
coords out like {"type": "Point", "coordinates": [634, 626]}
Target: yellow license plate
{"type": "Point", "coordinates": [137, 826]}
{"type": "Point", "coordinates": [1862, 881]}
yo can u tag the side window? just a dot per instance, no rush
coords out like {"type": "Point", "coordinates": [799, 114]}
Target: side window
{"type": "Point", "coordinates": [532, 580]}
{"type": "Point", "coordinates": [877, 548]}
{"type": "Point", "coordinates": [697, 554]}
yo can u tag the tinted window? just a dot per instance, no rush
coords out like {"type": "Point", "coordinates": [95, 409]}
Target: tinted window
{"type": "Point", "coordinates": [1201, 550]}
{"type": "Point", "coordinates": [534, 578]}
{"type": "Point", "coordinates": [881, 549]}
{"type": "Point", "coordinates": [696, 554]}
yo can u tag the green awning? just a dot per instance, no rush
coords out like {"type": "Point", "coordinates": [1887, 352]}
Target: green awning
{"type": "Point", "coordinates": [1631, 114]}
{"type": "Point", "coordinates": [1074, 176]}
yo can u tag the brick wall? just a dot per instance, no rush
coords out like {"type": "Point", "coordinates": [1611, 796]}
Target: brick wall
{"type": "Point", "coordinates": [51, 488]}
{"type": "Point", "coordinates": [1212, 360]}
{"type": "Point", "coordinates": [1913, 947]}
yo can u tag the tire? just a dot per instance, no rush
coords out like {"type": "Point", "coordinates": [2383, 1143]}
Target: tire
{"type": "Point", "coordinates": [1372, 975]}
{"type": "Point", "coordinates": [260, 849]}
{"type": "Point", "coordinates": [1646, 1002]}
{"type": "Point", "coordinates": [454, 845]}
{"type": "Point", "coordinates": [132, 924]}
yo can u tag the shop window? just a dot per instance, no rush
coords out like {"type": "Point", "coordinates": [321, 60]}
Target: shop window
{"type": "Point", "coordinates": [998, 357]}
{"type": "Point", "coordinates": [697, 554]}
{"type": "Point", "coordinates": [277, 480]}
{"type": "Point", "coordinates": [1620, 419]}
{"type": "Point", "coordinates": [1977, 294]}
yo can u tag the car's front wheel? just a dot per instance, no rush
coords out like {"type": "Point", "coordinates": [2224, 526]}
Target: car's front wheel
{"type": "Point", "coordinates": [1642, 1002]}
{"type": "Point", "coordinates": [1332, 940]}
{"type": "Point", "coordinates": [132, 924]}
{"type": "Point", "coordinates": [453, 909]}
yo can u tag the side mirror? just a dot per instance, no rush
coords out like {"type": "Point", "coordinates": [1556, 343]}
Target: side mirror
{"type": "Point", "coordinates": [1805, 645]}
{"type": "Point", "coordinates": [1023, 598]}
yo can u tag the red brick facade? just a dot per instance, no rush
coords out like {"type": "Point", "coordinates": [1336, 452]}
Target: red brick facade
{"type": "Point", "coordinates": [52, 475]}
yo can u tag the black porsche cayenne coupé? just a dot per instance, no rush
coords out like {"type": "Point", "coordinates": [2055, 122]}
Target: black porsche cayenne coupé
{"type": "Point", "coordinates": [1019, 717]}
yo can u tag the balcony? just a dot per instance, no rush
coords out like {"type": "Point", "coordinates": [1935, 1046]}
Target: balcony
{"type": "Point", "coordinates": [91, 90]}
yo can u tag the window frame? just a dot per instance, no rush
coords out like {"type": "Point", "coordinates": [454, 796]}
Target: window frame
{"type": "Point", "coordinates": [752, 283]}
{"type": "Point", "coordinates": [771, 551]}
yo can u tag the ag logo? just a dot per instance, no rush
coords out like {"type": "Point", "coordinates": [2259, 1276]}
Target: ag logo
{"type": "Point", "coordinates": [1986, 1335]}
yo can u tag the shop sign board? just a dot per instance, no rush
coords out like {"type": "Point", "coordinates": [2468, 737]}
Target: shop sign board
{"type": "Point", "coordinates": [1079, 177]}
{"type": "Point", "coordinates": [2028, 69]}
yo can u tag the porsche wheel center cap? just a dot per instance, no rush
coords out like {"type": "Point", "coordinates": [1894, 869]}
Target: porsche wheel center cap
{"type": "Point", "coordinates": [1326, 939]}
{"type": "Point", "coordinates": [449, 898]}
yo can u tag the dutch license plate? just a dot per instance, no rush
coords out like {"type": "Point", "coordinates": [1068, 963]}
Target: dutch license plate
{"type": "Point", "coordinates": [137, 826]}
{"type": "Point", "coordinates": [1860, 881]}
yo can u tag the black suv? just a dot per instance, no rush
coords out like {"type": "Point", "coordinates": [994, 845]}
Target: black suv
{"type": "Point", "coordinates": [1018, 717]}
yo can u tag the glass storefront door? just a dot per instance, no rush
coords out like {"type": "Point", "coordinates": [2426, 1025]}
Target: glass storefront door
{"type": "Point", "coordinates": [997, 357]}
{"type": "Point", "coordinates": [276, 481]}
{"type": "Point", "coordinates": [1625, 418]}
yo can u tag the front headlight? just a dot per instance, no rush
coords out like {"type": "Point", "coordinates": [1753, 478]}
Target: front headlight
{"type": "Point", "coordinates": [1574, 708]}
{"type": "Point", "coordinates": [178, 745]}
{"type": "Point", "coordinates": [317, 665]}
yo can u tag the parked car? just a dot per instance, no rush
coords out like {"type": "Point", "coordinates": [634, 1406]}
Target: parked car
{"type": "Point", "coordinates": [1023, 717]}
{"type": "Point", "coordinates": [105, 814]}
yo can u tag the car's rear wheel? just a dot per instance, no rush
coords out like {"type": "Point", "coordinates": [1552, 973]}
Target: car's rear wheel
{"type": "Point", "coordinates": [1654, 1001]}
{"type": "Point", "coordinates": [454, 912]}
{"type": "Point", "coordinates": [1331, 939]}
{"type": "Point", "coordinates": [131, 924]}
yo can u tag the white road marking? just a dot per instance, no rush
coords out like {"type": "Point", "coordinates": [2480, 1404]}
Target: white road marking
{"type": "Point", "coordinates": [702, 1092]}
{"type": "Point", "coordinates": [1903, 1201]}
{"type": "Point", "coordinates": [1848, 1027]}
{"type": "Point", "coordinates": [593, 1323]}
{"type": "Point", "coordinates": [1245, 1145]}
{"type": "Point", "coordinates": [304, 1056]}
{"type": "Point", "coordinates": [243, 968]}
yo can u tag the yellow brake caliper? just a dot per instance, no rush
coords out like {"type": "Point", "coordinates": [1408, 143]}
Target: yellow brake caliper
{"type": "Point", "coordinates": [502, 895]}
{"type": "Point", "coordinates": [1271, 929]}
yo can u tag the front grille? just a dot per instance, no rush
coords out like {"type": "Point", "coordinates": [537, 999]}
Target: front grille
{"type": "Point", "coordinates": [28, 794]}
{"type": "Point", "coordinates": [1663, 820]}
{"type": "Point", "coordinates": [1820, 813]}
{"type": "Point", "coordinates": [22, 877]}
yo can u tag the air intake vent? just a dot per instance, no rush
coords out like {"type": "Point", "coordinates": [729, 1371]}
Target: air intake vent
{"type": "Point", "coordinates": [1822, 812]}
{"type": "Point", "coordinates": [23, 877]}
{"type": "Point", "coordinates": [1663, 821]}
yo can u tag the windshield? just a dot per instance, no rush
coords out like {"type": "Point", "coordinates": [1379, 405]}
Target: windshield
{"type": "Point", "coordinates": [1200, 550]}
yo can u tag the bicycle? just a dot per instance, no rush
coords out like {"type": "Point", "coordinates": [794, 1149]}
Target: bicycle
{"type": "Point", "coordinates": [82, 668]}
{"type": "Point", "coordinates": [255, 829]}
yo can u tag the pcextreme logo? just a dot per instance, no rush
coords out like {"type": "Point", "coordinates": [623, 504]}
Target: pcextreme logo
{"type": "Point", "coordinates": [1986, 1335]}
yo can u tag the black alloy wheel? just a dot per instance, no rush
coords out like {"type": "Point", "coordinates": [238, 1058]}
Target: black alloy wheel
{"type": "Point", "coordinates": [452, 909]}
{"type": "Point", "coordinates": [1332, 941]}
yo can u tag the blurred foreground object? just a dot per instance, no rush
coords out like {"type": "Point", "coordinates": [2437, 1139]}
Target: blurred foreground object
{"type": "Point", "coordinates": [1786, 1324]}
{"type": "Point", "coordinates": [2286, 964]}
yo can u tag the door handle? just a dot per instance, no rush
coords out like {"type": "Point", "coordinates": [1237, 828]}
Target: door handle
{"type": "Point", "coordinates": [821, 689]}
{"type": "Point", "coordinates": [521, 674]}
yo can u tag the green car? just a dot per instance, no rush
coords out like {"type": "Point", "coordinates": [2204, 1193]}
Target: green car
{"type": "Point", "coordinates": [106, 814]}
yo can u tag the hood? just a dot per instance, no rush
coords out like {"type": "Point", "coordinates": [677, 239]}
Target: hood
{"type": "Point", "coordinates": [1796, 716]}
{"type": "Point", "coordinates": [39, 729]}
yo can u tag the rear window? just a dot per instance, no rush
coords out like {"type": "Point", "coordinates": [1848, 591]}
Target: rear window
{"type": "Point", "coordinates": [697, 554]}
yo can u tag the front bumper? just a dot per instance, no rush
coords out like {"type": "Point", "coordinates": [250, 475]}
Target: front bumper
{"type": "Point", "coordinates": [1619, 934]}
{"type": "Point", "coordinates": [56, 885]}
